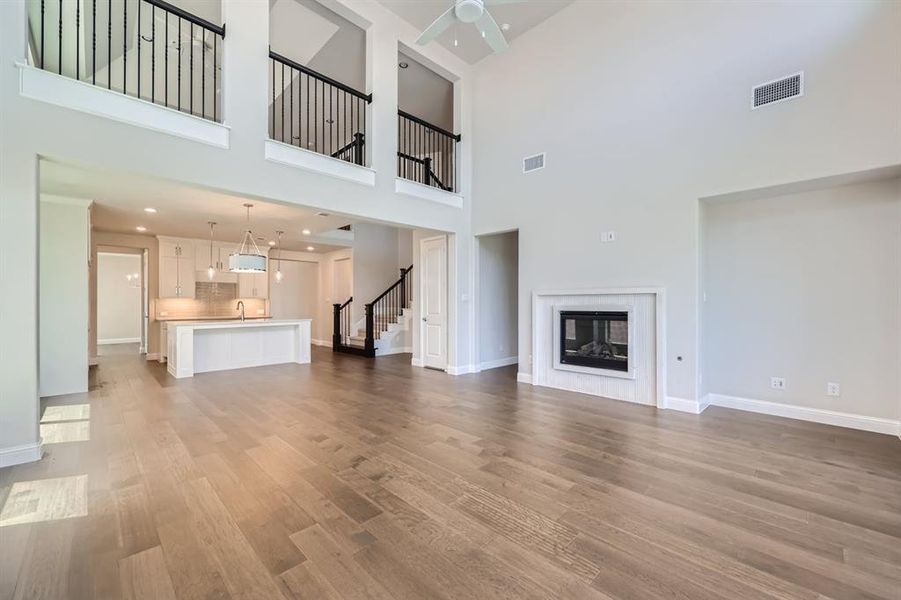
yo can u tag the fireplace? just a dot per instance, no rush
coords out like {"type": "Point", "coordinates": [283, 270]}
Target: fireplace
{"type": "Point", "coordinates": [596, 339]}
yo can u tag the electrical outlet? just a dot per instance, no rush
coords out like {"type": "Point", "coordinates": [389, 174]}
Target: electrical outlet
{"type": "Point", "coordinates": [833, 389]}
{"type": "Point", "coordinates": [608, 236]}
{"type": "Point", "coordinates": [164, 313]}
{"type": "Point", "coordinates": [777, 383]}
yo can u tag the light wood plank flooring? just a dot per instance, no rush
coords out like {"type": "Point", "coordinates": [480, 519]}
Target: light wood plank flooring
{"type": "Point", "coordinates": [355, 478]}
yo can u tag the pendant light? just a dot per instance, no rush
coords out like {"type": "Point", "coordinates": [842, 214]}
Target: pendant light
{"type": "Point", "coordinates": [211, 272]}
{"type": "Point", "coordinates": [278, 257]}
{"type": "Point", "coordinates": [247, 257]}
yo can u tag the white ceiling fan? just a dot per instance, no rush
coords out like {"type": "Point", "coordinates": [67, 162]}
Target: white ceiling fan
{"type": "Point", "coordinates": [470, 11]}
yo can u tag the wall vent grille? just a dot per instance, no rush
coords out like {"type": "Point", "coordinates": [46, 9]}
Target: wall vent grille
{"type": "Point", "coordinates": [778, 90]}
{"type": "Point", "coordinates": [533, 163]}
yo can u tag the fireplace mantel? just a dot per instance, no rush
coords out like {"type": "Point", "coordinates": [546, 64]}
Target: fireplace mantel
{"type": "Point", "coordinates": [644, 382]}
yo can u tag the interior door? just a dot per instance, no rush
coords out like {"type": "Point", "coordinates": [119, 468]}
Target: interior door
{"type": "Point", "coordinates": [433, 252]}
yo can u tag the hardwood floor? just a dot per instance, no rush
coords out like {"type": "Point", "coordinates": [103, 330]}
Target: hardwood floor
{"type": "Point", "coordinates": [356, 478]}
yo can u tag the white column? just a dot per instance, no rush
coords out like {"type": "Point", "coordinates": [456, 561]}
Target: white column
{"type": "Point", "coordinates": [19, 406]}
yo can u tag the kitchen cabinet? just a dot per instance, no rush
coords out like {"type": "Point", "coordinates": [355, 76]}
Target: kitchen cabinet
{"type": "Point", "coordinates": [253, 285]}
{"type": "Point", "coordinates": [176, 266]}
{"type": "Point", "coordinates": [221, 250]}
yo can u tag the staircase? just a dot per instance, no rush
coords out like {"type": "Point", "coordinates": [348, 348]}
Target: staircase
{"type": "Point", "coordinates": [381, 330]}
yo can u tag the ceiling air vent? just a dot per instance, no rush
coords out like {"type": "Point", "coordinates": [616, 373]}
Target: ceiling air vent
{"type": "Point", "coordinates": [779, 90]}
{"type": "Point", "coordinates": [533, 163]}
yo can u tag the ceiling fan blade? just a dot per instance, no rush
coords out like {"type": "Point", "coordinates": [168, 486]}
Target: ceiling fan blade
{"type": "Point", "coordinates": [497, 2]}
{"type": "Point", "coordinates": [438, 27]}
{"type": "Point", "coordinates": [491, 32]}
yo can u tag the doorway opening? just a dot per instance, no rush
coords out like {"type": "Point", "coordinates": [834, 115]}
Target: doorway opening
{"type": "Point", "coordinates": [497, 308]}
{"type": "Point", "coordinates": [121, 302]}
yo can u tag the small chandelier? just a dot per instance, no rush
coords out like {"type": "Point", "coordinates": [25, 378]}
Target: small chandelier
{"type": "Point", "coordinates": [278, 257]}
{"type": "Point", "coordinates": [247, 257]}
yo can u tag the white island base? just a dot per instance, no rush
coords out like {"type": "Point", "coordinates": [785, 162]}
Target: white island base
{"type": "Point", "coordinates": [203, 346]}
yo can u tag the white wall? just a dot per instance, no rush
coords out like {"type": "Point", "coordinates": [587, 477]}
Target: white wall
{"type": "Point", "coordinates": [63, 296]}
{"type": "Point", "coordinates": [118, 299]}
{"type": "Point", "coordinates": [806, 287]}
{"type": "Point", "coordinates": [498, 297]}
{"type": "Point", "coordinates": [376, 262]}
{"type": "Point", "coordinates": [643, 108]}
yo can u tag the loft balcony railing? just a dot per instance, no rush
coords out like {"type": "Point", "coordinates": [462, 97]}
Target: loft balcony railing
{"type": "Point", "coordinates": [147, 49]}
{"type": "Point", "coordinates": [312, 111]}
{"type": "Point", "coordinates": [426, 153]}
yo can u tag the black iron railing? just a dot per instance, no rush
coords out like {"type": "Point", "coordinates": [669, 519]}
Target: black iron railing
{"type": "Point", "coordinates": [313, 111]}
{"type": "Point", "coordinates": [381, 313]}
{"type": "Point", "coordinates": [426, 153]}
{"type": "Point", "coordinates": [343, 321]}
{"type": "Point", "coordinates": [148, 49]}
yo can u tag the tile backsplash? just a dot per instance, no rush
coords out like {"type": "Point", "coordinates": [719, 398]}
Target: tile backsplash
{"type": "Point", "coordinates": [211, 299]}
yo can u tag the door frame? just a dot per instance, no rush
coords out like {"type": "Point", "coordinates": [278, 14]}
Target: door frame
{"type": "Point", "coordinates": [422, 291]}
{"type": "Point", "coordinates": [475, 350]}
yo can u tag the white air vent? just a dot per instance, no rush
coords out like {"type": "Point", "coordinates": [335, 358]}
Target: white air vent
{"type": "Point", "coordinates": [533, 163]}
{"type": "Point", "coordinates": [778, 90]}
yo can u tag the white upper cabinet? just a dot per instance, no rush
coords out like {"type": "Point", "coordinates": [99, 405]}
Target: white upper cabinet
{"type": "Point", "coordinates": [177, 274]}
{"type": "Point", "coordinates": [220, 253]}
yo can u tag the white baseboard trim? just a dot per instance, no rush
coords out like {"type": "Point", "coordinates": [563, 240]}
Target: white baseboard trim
{"type": "Point", "coordinates": [323, 343]}
{"type": "Point", "coordinates": [416, 362]}
{"type": "Point", "coordinates": [152, 356]}
{"type": "Point", "coordinates": [524, 377]}
{"type": "Point", "coordinates": [106, 341]}
{"type": "Point", "coordinates": [804, 413]}
{"type": "Point", "coordinates": [461, 370]}
{"type": "Point", "coordinates": [497, 363]}
{"type": "Point", "coordinates": [682, 405]}
{"type": "Point", "coordinates": [393, 351]}
{"type": "Point", "coordinates": [17, 455]}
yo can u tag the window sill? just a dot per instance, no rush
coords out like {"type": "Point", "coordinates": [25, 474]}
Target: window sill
{"type": "Point", "coordinates": [66, 92]}
{"type": "Point", "coordinates": [308, 160]}
{"type": "Point", "coordinates": [426, 192]}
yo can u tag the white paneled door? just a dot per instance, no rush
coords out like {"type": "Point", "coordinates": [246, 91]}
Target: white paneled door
{"type": "Point", "coordinates": [433, 252]}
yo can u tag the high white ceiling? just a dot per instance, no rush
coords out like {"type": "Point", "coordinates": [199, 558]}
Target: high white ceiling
{"type": "Point", "coordinates": [184, 211]}
{"type": "Point", "coordinates": [521, 17]}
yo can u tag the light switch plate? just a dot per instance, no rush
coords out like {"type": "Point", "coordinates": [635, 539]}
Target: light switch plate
{"type": "Point", "coordinates": [608, 236]}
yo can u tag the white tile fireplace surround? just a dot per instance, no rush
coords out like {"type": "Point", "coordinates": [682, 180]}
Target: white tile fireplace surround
{"type": "Point", "coordinates": [643, 383]}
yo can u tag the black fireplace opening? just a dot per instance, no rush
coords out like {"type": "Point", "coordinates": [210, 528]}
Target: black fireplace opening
{"type": "Point", "coordinates": [598, 339]}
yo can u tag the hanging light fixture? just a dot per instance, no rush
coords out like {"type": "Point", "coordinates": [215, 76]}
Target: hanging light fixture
{"type": "Point", "coordinates": [278, 257]}
{"type": "Point", "coordinates": [211, 272]}
{"type": "Point", "coordinates": [247, 257]}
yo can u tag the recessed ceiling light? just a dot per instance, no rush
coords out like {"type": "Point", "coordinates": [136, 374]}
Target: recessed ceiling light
{"type": "Point", "coordinates": [271, 242]}
{"type": "Point", "coordinates": [306, 232]}
{"type": "Point", "coordinates": [141, 228]}
{"type": "Point", "coordinates": [310, 248]}
{"type": "Point", "coordinates": [150, 210]}
{"type": "Point", "coordinates": [403, 65]}
{"type": "Point", "coordinates": [505, 26]}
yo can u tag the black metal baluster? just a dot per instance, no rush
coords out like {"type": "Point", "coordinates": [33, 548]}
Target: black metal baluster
{"type": "Point", "coordinates": [77, 37]}
{"type": "Point", "coordinates": [43, 10]}
{"type": "Point", "coordinates": [272, 130]}
{"type": "Point", "coordinates": [316, 115]}
{"type": "Point", "coordinates": [178, 85]}
{"type": "Point", "coordinates": [308, 111]}
{"type": "Point", "coordinates": [93, 41]}
{"type": "Point", "coordinates": [153, 55]}
{"type": "Point", "coordinates": [331, 121]}
{"type": "Point", "coordinates": [203, 72]}
{"type": "Point", "coordinates": [59, 67]}
{"type": "Point", "coordinates": [165, 55]}
{"type": "Point", "coordinates": [140, 39]}
{"type": "Point", "coordinates": [124, 46]}
{"type": "Point", "coordinates": [215, 85]}
{"type": "Point", "coordinates": [291, 110]}
{"type": "Point", "coordinates": [191, 68]}
{"type": "Point", "coordinates": [109, 45]}
{"type": "Point", "coordinates": [283, 101]}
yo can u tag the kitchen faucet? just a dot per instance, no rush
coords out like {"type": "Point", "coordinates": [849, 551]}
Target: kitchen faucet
{"type": "Point", "coordinates": [240, 306]}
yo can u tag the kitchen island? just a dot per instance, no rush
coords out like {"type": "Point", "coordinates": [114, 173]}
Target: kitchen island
{"type": "Point", "coordinates": [203, 346]}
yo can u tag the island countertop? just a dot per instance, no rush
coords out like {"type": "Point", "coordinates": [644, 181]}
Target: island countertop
{"type": "Point", "coordinates": [228, 323]}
